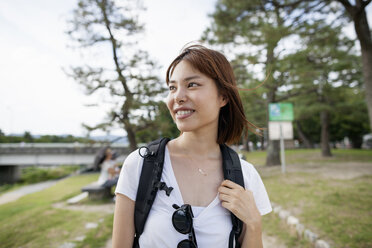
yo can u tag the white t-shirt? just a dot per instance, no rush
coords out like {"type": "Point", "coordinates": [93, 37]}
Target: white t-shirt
{"type": "Point", "coordinates": [105, 175]}
{"type": "Point", "coordinates": [212, 224]}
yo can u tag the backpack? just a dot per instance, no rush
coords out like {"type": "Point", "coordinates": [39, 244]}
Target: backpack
{"type": "Point", "coordinates": [150, 183]}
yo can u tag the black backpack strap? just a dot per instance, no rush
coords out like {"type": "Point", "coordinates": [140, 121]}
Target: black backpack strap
{"type": "Point", "coordinates": [232, 171]}
{"type": "Point", "coordinates": [149, 183]}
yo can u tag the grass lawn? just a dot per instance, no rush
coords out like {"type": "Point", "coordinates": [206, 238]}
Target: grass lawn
{"type": "Point", "coordinates": [33, 174]}
{"type": "Point", "coordinates": [299, 156]}
{"type": "Point", "coordinates": [338, 210]}
{"type": "Point", "coordinates": [32, 221]}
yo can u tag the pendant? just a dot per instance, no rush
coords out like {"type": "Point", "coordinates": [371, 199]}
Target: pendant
{"type": "Point", "coordinates": [202, 172]}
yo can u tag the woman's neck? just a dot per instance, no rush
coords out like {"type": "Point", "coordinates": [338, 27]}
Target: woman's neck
{"type": "Point", "coordinates": [196, 144]}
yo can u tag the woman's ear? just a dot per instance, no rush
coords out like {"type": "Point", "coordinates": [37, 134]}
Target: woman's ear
{"type": "Point", "coordinates": [224, 101]}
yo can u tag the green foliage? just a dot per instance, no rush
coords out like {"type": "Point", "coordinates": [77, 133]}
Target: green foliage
{"type": "Point", "coordinates": [307, 58]}
{"type": "Point", "coordinates": [352, 118]}
{"type": "Point", "coordinates": [7, 187]}
{"type": "Point", "coordinates": [163, 126]}
{"type": "Point", "coordinates": [30, 175]}
{"type": "Point", "coordinates": [61, 139]}
{"type": "Point", "coordinates": [131, 87]}
{"type": "Point", "coordinates": [333, 72]}
{"type": "Point", "coordinates": [27, 137]}
{"type": "Point", "coordinates": [36, 174]}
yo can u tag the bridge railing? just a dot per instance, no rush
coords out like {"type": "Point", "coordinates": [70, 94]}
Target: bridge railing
{"type": "Point", "coordinates": [58, 148]}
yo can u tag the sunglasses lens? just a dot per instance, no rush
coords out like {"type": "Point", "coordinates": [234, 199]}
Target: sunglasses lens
{"type": "Point", "coordinates": [186, 244]}
{"type": "Point", "coordinates": [181, 222]}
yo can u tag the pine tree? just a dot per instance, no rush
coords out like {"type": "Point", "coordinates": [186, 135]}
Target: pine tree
{"type": "Point", "coordinates": [107, 27]}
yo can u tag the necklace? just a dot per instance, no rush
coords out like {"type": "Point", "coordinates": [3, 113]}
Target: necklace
{"type": "Point", "coordinates": [202, 172]}
{"type": "Point", "coordinates": [192, 161]}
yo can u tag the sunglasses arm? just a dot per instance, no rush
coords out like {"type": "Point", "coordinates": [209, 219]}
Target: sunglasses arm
{"type": "Point", "coordinates": [192, 237]}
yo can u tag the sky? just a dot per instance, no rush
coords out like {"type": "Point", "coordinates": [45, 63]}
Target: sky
{"type": "Point", "coordinates": [35, 93]}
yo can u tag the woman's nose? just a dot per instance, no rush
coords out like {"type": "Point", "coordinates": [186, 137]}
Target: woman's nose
{"type": "Point", "coordinates": [180, 95]}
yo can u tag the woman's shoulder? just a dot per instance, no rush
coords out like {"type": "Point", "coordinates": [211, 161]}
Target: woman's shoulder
{"type": "Point", "coordinates": [250, 174]}
{"type": "Point", "coordinates": [133, 159]}
{"type": "Point", "coordinates": [246, 166]}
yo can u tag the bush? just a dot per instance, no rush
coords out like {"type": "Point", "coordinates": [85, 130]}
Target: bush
{"type": "Point", "coordinates": [37, 174]}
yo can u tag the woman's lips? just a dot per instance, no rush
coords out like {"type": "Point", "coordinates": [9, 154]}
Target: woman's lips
{"type": "Point", "coordinates": [182, 114]}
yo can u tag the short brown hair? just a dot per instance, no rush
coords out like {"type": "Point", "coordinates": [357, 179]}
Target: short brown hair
{"type": "Point", "coordinates": [232, 120]}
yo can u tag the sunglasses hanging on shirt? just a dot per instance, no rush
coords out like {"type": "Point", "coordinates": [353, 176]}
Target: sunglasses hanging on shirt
{"type": "Point", "coordinates": [182, 222]}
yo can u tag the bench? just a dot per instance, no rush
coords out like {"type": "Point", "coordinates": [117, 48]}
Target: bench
{"type": "Point", "coordinates": [97, 192]}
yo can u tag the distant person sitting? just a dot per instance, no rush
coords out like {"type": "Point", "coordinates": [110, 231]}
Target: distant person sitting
{"type": "Point", "coordinates": [109, 170]}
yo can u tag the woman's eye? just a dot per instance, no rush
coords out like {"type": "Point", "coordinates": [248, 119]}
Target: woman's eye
{"type": "Point", "coordinates": [171, 87]}
{"type": "Point", "coordinates": [192, 84]}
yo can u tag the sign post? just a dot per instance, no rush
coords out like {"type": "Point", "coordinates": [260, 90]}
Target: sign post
{"type": "Point", "coordinates": [282, 155]}
{"type": "Point", "coordinates": [280, 125]}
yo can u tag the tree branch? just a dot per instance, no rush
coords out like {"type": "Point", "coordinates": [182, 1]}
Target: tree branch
{"type": "Point", "coordinates": [349, 7]}
{"type": "Point", "coordinates": [364, 4]}
{"type": "Point", "coordinates": [298, 93]}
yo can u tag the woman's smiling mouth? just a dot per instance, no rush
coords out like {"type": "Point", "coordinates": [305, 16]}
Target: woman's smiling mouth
{"type": "Point", "coordinates": [181, 114]}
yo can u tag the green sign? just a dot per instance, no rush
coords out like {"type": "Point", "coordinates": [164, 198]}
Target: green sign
{"type": "Point", "coordinates": [280, 112]}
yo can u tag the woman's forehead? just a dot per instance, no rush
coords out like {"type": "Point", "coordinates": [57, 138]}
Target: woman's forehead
{"type": "Point", "coordinates": [184, 71]}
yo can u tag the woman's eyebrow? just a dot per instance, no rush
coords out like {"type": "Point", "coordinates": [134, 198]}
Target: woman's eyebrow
{"type": "Point", "coordinates": [185, 79]}
{"type": "Point", "coordinates": [191, 78]}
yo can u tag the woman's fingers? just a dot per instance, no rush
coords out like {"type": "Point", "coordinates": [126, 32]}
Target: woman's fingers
{"type": "Point", "coordinates": [238, 200]}
{"type": "Point", "coordinates": [224, 190]}
{"type": "Point", "coordinates": [225, 198]}
{"type": "Point", "coordinates": [231, 185]}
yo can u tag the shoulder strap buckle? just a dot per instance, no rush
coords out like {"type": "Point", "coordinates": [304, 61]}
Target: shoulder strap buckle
{"type": "Point", "coordinates": [163, 186]}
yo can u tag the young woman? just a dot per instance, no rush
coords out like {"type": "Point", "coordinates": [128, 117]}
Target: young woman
{"type": "Point", "coordinates": [205, 105]}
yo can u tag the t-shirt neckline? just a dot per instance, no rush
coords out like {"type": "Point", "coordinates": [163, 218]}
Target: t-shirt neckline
{"type": "Point", "coordinates": [177, 189]}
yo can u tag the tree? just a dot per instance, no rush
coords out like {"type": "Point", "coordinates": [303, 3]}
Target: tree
{"type": "Point", "coordinates": [252, 100]}
{"type": "Point", "coordinates": [352, 118]}
{"type": "Point", "coordinates": [329, 56]}
{"type": "Point", "coordinates": [357, 14]}
{"type": "Point", "coordinates": [163, 123]}
{"type": "Point", "coordinates": [27, 137]}
{"type": "Point", "coordinates": [348, 118]}
{"type": "Point", "coordinates": [257, 30]}
{"type": "Point", "coordinates": [2, 137]}
{"type": "Point", "coordinates": [106, 25]}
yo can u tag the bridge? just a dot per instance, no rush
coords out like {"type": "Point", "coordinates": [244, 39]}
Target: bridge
{"type": "Point", "coordinates": [14, 156]}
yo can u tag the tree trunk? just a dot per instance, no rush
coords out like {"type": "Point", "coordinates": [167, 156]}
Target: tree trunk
{"type": "Point", "coordinates": [273, 155]}
{"type": "Point", "coordinates": [262, 138]}
{"type": "Point", "coordinates": [131, 135]}
{"type": "Point", "coordinates": [358, 14]}
{"type": "Point", "coordinates": [326, 149]}
{"type": "Point", "coordinates": [367, 76]}
{"type": "Point", "coordinates": [273, 148]}
{"type": "Point", "coordinates": [128, 103]}
{"type": "Point", "coordinates": [307, 143]}
{"type": "Point", "coordinates": [245, 143]}
{"type": "Point", "coordinates": [356, 142]}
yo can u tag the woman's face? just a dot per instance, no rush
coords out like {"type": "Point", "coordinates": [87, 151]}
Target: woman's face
{"type": "Point", "coordinates": [193, 99]}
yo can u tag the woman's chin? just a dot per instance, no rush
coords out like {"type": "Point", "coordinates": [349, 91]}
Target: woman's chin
{"type": "Point", "coordinates": [184, 129]}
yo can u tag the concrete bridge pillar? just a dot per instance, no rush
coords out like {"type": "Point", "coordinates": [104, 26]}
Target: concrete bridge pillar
{"type": "Point", "coordinates": [9, 173]}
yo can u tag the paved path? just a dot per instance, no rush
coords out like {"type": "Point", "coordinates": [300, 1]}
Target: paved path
{"type": "Point", "coordinates": [25, 190]}
{"type": "Point", "coordinates": [272, 242]}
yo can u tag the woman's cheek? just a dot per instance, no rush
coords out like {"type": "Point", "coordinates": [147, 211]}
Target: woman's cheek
{"type": "Point", "coordinates": [170, 106]}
